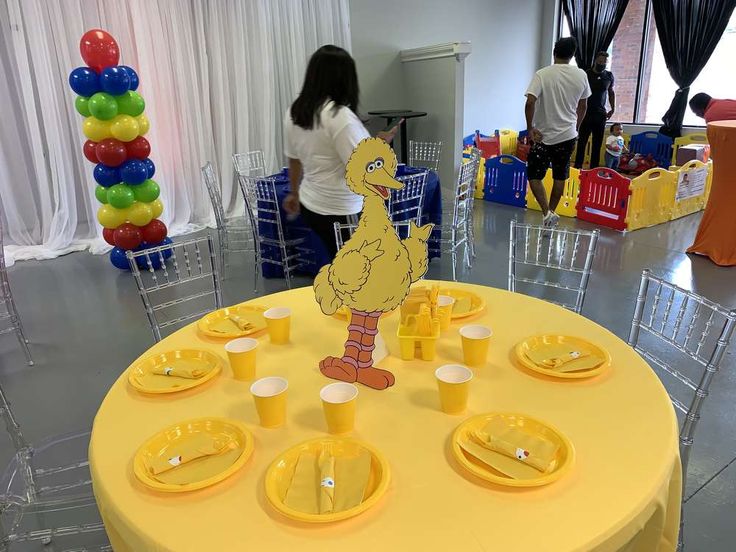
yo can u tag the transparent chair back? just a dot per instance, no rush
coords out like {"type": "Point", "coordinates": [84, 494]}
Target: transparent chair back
{"type": "Point", "coordinates": [554, 265]}
{"type": "Point", "coordinates": [684, 337]}
{"type": "Point", "coordinates": [407, 203]}
{"type": "Point", "coordinates": [46, 492]}
{"type": "Point", "coordinates": [9, 318]}
{"type": "Point", "coordinates": [273, 245]}
{"type": "Point", "coordinates": [343, 232]}
{"type": "Point", "coordinates": [425, 154]}
{"type": "Point", "coordinates": [177, 283]}
{"type": "Point", "coordinates": [251, 163]}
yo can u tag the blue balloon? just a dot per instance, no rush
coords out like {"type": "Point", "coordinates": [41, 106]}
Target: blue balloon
{"type": "Point", "coordinates": [150, 167]}
{"type": "Point", "coordinates": [114, 81]}
{"type": "Point", "coordinates": [132, 75]}
{"type": "Point", "coordinates": [133, 171]}
{"type": "Point", "coordinates": [167, 252]}
{"type": "Point", "coordinates": [106, 176]}
{"type": "Point", "coordinates": [118, 259]}
{"type": "Point", "coordinates": [84, 81]}
{"type": "Point", "coordinates": [155, 258]}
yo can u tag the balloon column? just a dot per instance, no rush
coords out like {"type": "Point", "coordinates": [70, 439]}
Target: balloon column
{"type": "Point", "coordinates": [115, 126]}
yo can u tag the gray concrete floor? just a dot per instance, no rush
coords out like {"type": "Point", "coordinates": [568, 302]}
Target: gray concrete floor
{"type": "Point", "coordinates": [86, 324]}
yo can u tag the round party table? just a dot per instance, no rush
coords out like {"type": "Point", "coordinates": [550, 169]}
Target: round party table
{"type": "Point", "coordinates": [716, 237]}
{"type": "Point", "coordinates": [623, 493]}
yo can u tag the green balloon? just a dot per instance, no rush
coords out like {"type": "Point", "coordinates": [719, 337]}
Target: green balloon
{"type": "Point", "coordinates": [147, 191]}
{"type": "Point", "coordinates": [103, 106]}
{"type": "Point", "coordinates": [120, 196]}
{"type": "Point", "coordinates": [101, 194]}
{"type": "Point", "coordinates": [82, 105]}
{"type": "Point", "coordinates": [131, 103]}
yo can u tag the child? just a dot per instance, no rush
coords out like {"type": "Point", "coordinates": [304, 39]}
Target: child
{"type": "Point", "coordinates": [615, 146]}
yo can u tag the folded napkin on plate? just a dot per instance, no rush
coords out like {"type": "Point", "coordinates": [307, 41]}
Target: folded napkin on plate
{"type": "Point", "coordinates": [183, 368]}
{"type": "Point", "coordinates": [563, 358]}
{"type": "Point", "coordinates": [510, 467]}
{"type": "Point", "coordinates": [351, 478]}
{"type": "Point", "coordinates": [302, 494]}
{"type": "Point", "coordinates": [462, 304]}
{"type": "Point", "coordinates": [326, 481]}
{"type": "Point", "coordinates": [514, 442]}
{"type": "Point", "coordinates": [198, 445]}
{"type": "Point", "coordinates": [224, 325]}
{"type": "Point", "coordinates": [241, 322]}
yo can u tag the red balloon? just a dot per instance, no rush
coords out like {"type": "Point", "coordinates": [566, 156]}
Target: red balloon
{"type": "Point", "coordinates": [128, 236]}
{"type": "Point", "coordinates": [111, 152]}
{"type": "Point", "coordinates": [138, 148]}
{"type": "Point", "coordinates": [107, 234]}
{"type": "Point", "coordinates": [99, 49]}
{"type": "Point", "coordinates": [89, 151]}
{"type": "Point", "coordinates": [154, 232]}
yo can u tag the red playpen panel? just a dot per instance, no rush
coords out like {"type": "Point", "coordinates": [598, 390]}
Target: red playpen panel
{"type": "Point", "coordinates": [604, 198]}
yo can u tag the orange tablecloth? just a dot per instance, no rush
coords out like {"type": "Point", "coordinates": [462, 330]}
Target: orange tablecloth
{"type": "Point", "coordinates": [716, 236]}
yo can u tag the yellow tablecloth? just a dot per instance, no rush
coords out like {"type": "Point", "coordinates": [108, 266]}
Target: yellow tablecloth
{"type": "Point", "coordinates": [623, 493]}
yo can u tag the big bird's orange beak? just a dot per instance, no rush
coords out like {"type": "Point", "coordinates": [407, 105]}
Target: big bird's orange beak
{"type": "Point", "coordinates": [382, 181]}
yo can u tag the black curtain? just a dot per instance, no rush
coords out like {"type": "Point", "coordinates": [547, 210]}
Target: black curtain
{"type": "Point", "coordinates": [593, 23]}
{"type": "Point", "coordinates": [689, 31]}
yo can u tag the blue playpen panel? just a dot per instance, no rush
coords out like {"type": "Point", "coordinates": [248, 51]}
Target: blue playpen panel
{"type": "Point", "coordinates": [505, 181]}
{"type": "Point", "coordinates": [654, 143]}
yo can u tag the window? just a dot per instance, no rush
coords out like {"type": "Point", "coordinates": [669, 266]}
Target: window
{"type": "Point", "coordinates": [638, 66]}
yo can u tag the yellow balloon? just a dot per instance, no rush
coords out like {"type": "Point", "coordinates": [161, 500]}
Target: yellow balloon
{"type": "Point", "coordinates": [110, 217]}
{"type": "Point", "coordinates": [157, 207]}
{"type": "Point", "coordinates": [143, 124]}
{"type": "Point", "coordinates": [96, 130]}
{"type": "Point", "coordinates": [140, 214]}
{"type": "Point", "coordinates": [124, 128]}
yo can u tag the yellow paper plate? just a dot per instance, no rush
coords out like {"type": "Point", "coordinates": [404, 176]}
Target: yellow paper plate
{"type": "Point", "coordinates": [343, 312]}
{"type": "Point", "coordinates": [565, 454]}
{"type": "Point", "coordinates": [142, 378]}
{"type": "Point", "coordinates": [281, 471]}
{"type": "Point", "coordinates": [199, 473]}
{"type": "Point", "coordinates": [463, 298]}
{"type": "Point", "coordinates": [575, 343]}
{"type": "Point", "coordinates": [252, 313]}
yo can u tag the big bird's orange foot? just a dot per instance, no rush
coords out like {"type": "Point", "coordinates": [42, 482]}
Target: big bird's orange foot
{"type": "Point", "coordinates": [337, 368]}
{"type": "Point", "coordinates": [375, 378]}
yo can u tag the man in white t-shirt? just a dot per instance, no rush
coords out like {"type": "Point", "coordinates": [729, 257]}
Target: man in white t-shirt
{"type": "Point", "coordinates": [556, 100]}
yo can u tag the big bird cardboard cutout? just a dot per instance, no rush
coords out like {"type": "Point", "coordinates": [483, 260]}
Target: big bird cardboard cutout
{"type": "Point", "coordinates": [373, 270]}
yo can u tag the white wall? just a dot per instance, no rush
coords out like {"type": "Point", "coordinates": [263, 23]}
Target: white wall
{"type": "Point", "coordinates": [505, 37]}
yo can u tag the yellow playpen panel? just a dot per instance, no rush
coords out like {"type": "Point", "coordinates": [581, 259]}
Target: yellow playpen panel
{"type": "Point", "coordinates": [691, 205]}
{"type": "Point", "coordinates": [652, 199]}
{"type": "Point", "coordinates": [686, 140]}
{"type": "Point", "coordinates": [569, 199]}
{"type": "Point", "coordinates": [509, 139]}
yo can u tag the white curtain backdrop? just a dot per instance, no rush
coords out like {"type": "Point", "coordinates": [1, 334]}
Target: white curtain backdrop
{"type": "Point", "coordinates": [217, 77]}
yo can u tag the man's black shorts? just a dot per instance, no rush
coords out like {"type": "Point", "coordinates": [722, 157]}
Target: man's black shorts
{"type": "Point", "coordinates": [541, 156]}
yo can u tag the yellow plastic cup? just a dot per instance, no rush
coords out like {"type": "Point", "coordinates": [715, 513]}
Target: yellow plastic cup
{"type": "Point", "coordinates": [242, 355]}
{"type": "Point", "coordinates": [475, 340]}
{"type": "Point", "coordinates": [269, 395]}
{"type": "Point", "coordinates": [444, 308]}
{"type": "Point", "coordinates": [278, 321]}
{"type": "Point", "coordinates": [338, 402]}
{"type": "Point", "coordinates": [453, 381]}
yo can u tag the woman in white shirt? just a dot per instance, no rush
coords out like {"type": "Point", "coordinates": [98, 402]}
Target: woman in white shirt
{"type": "Point", "coordinates": [321, 130]}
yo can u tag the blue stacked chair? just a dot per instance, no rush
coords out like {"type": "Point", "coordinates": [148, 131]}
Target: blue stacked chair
{"type": "Point", "coordinates": [505, 181]}
{"type": "Point", "coordinates": [654, 143]}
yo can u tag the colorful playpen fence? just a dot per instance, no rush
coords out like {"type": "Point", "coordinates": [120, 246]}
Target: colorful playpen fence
{"type": "Point", "coordinates": [589, 148]}
{"type": "Point", "coordinates": [654, 143]}
{"type": "Point", "coordinates": [603, 198]}
{"type": "Point", "coordinates": [569, 200]}
{"type": "Point", "coordinates": [505, 181]}
{"type": "Point", "coordinates": [686, 141]}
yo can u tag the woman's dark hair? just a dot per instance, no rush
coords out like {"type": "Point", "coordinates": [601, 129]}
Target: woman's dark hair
{"type": "Point", "coordinates": [614, 125]}
{"type": "Point", "coordinates": [331, 75]}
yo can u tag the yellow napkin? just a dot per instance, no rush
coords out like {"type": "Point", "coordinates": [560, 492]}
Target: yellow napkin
{"type": "Point", "coordinates": [516, 443]}
{"type": "Point", "coordinates": [351, 477]}
{"type": "Point", "coordinates": [509, 467]}
{"type": "Point", "coordinates": [183, 368]}
{"type": "Point", "coordinates": [563, 358]}
{"type": "Point", "coordinates": [462, 304]}
{"type": "Point", "coordinates": [327, 481]}
{"type": "Point", "coordinates": [240, 322]}
{"type": "Point", "coordinates": [225, 326]}
{"type": "Point", "coordinates": [302, 494]}
{"type": "Point", "coordinates": [198, 445]}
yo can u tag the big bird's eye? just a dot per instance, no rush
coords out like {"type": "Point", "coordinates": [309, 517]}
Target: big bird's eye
{"type": "Point", "coordinates": [370, 167]}
{"type": "Point", "coordinates": [379, 162]}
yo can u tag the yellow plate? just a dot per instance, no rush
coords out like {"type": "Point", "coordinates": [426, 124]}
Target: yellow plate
{"type": "Point", "coordinates": [203, 472]}
{"type": "Point", "coordinates": [463, 297]}
{"type": "Point", "coordinates": [565, 454]}
{"type": "Point", "coordinates": [343, 312]}
{"type": "Point", "coordinates": [141, 375]}
{"type": "Point", "coordinates": [575, 342]}
{"type": "Point", "coordinates": [252, 313]}
{"type": "Point", "coordinates": [281, 471]}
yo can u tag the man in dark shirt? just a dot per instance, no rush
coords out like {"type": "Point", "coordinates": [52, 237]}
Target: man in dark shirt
{"type": "Point", "coordinates": [601, 86]}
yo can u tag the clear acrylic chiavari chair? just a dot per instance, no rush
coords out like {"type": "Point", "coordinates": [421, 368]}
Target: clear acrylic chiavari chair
{"type": "Point", "coordinates": [425, 154]}
{"type": "Point", "coordinates": [233, 234]}
{"type": "Point", "coordinates": [407, 203]}
{"type": "Point", "coordinates": [273, 245]}
{"type": "Point", "coordinates": [557, 261]}
{"type": "Point", "coordinates": [251, 163]}
{"type": "Point", "coordinates": [343, 232]}
{"type": "Point", "coordinates": [9, 318]}
{"type": "Point", "coordinates": [683, 336]}
{"type": "Point", "coordinates": [475, 157]}
{"type": "Point", "coordinates": [46, 493]}
{"type": "Point", "coordinates": [176, 282]}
